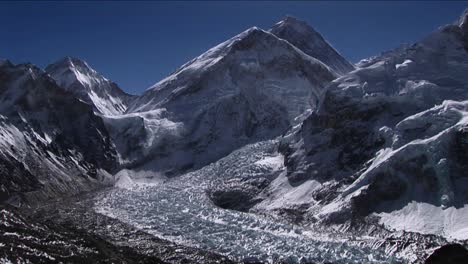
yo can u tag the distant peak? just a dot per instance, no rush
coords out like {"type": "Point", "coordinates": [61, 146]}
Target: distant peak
{"type": "Point", "coordinates": [251, 31]}
{"type": "Point", "coordinates": [293, 23]}
{"type": "Point", "coordinates": [308, 40]}
{"type": "Point", "coordinates": [73, 61]}
{"type": "Point", "coordinates": [5, 62]}
{"type": "Point", "coordinates": [251, 34]}
{"type": "Point", "coordinates": [292, 20]}
{"type": "Point", "coordinates": [70, 63]}
{"type": "Point", "coordinates": [463, 23]}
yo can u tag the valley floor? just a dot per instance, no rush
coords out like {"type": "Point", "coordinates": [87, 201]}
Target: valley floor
{"type": "Point", "coordinates": [71, 231]}
{"type": "Point", "coordinates": [173, 220]}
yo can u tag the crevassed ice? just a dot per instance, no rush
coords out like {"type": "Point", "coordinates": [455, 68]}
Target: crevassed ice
{"type": "Point", "coordinates": [178, 210]}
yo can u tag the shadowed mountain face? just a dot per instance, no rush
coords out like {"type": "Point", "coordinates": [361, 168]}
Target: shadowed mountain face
{"type": "Point", "coordinates": [448, 254]}
{"type": "Point", "coordinates": [305, 38]}
{"type": "Point", "coordinates": [463, 23]}
{"type": "Point", "coordinates": [51, 142]}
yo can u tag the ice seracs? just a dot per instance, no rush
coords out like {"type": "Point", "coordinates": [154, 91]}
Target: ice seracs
{"type": "Point", "coordinates": [272, 122]}
{"type": "Point", "coordinates": [77, 77]}
{"type": "Point", "coordinates": [387, 140]}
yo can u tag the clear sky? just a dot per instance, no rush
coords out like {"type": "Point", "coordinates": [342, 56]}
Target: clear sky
{"type": "Point", "coordinates": [138, 43]}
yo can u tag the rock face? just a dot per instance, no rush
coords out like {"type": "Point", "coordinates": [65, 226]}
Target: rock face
{"type": "Point", "coordinates": [388, 139]}
{"type": "Point", "coordinates": [464, 27]}
{"type": "Point", "coordinates": [50, 142]}
{"type": "Point", "coordinates": [77, 77]}
{"type": "Point", "coordinates": [251, 87]}
{"type": "Point", "coordinates": [448, 254]}
{"type": "Point", "coordinates": [305, 38]}
{"type": "Point", "coordinates": [69, 232]}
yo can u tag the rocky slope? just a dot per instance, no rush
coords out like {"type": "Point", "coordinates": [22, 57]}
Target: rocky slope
{"type": "Point", "coordinates": [77, 77]}
{"type": "Point", "coordinates": [50, 142]}
{"type": "Point", "coordinates": [389, 140]}
{"type": "Point", "coordinates": [67, 231]}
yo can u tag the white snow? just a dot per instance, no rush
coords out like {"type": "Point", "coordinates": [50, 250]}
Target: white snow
{"type": "Point", "coordinates": [280, 194]}
{"type": "Point", "coordinates": [429, 219]}
{"type": "Point", "coordinates": [4, 260]}
{"type": "Point", "coordinates": [146, 130]}
{"type": "Point", "coordinates": [252, 59]}
{"type": "Point", "coordinates": [88, 85]}
{"type": "Point", "coordinates": [445, 220]}
{"type": "Point", "coordinates": [405, 64]}
{"type": "Point", "coordinates": [128, 179]}
{"type": "Point", "coordinates": [274, 162]}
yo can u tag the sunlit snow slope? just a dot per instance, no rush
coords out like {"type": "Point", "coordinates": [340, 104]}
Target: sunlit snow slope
{"type": "Point", "coordinates": [77, 77]}
{"type": "Point", "coordinates": [251, 87]}
{"type": "Point", "coordinates": [389, 140]}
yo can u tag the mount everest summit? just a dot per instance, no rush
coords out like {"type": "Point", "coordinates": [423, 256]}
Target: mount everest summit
{"type": "Point", "coordinates": [273, 123]}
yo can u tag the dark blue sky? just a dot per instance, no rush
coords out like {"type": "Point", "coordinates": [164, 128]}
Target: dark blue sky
{"type": "Point", "coordinates": [138, 43]}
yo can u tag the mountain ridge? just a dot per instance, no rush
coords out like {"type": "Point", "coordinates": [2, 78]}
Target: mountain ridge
{"type": "Point", "coordinates": [48, 137]}
{"type": "Point", "coordinates": [257, 124]}
{"type": "Point", "coordinates": [87, 84]}
{"type": "Point", "coordinates": [308, 40]}
{"type": "Point", "coordinates": [255, 83]}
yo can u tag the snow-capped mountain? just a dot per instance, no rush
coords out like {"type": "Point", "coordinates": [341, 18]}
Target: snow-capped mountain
{"type": "Point", "coordinates": [50, 142]}
{"type": "Point", "coordinates": [77, 77]}
{"type": "Point", "coordinates": [389, 140]}
{"type": "Point", "coordinates": [252, 86]}
{"type": "Point", "coordinates": [270, 122]}
{"type": "Point", "coordinates": [305, 38]}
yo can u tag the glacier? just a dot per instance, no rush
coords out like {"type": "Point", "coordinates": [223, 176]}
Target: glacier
{"type": "Point", "coordinates": [269, 147]}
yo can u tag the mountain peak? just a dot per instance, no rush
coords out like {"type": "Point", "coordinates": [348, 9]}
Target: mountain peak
{"type": "Point", "coordinates": [4, 62]}
{"type": "Point", "coordinates": [69, 70]}
{"type": "Point", "coordinates": [463, 23]}
{"type": "Point", "coordinates": [293, 23]}
{"type": "Point", "coordinates": [300, 34]}
{"type": "Point", "coordinates": [214, 55]}
{"type": "Point", "coordinates": [253, 31]}
{"type": "Point", "coordinates": [76, 76]}
{"type": "Point", "coordinates": [69, 62]}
